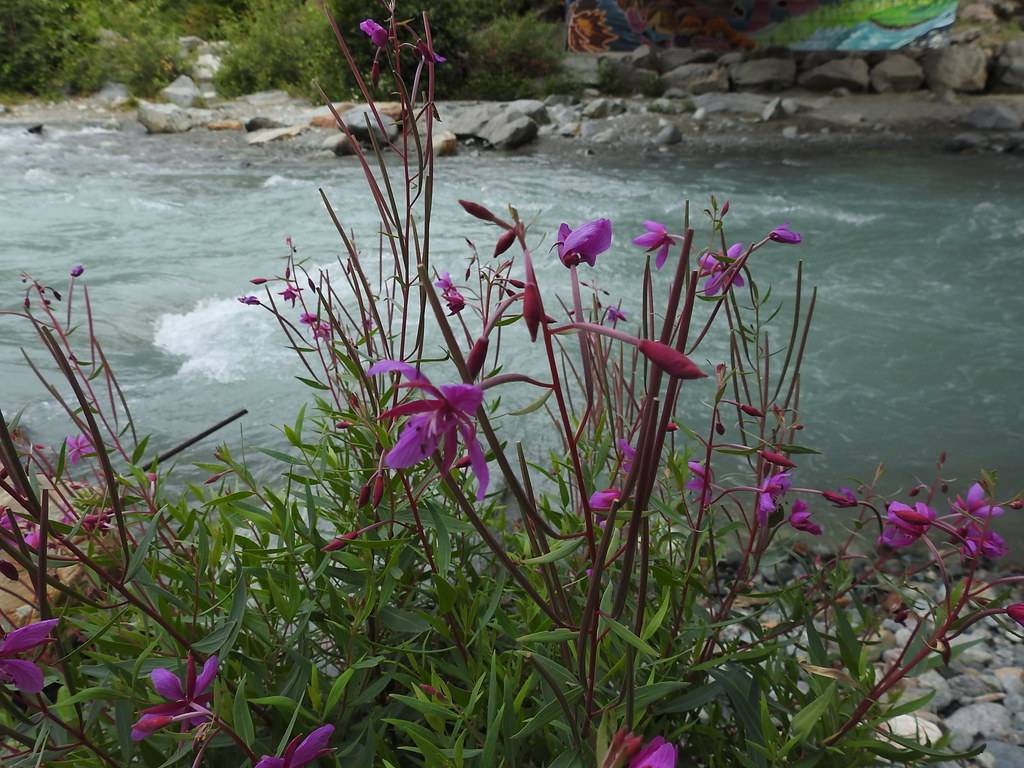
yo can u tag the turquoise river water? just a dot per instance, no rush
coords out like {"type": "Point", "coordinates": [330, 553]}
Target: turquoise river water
{"type": "Point", "coordinates": [919, 262]}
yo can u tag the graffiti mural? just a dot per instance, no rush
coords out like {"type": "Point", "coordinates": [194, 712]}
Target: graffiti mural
{"type": "Point", "coordinates": [621, 25]}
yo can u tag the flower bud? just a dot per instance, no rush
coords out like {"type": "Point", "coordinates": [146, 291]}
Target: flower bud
{"type": "Point", "coordinates": [670, 360]}
{"type": "Point", "coordinates": [914, 491]}
{"type": "Point", "coordinates": [9, 570]}
{"type": "Point", "coordinates": [477, 357]}
{"type": "Point", "coordinates": [719, 427]}
{"type": "Point", "coordinates": [1016, 504]}
{"type": "Point", "coordinates": [77, 270]}
{"type": "Point", "coordinates": [378, 489]}
{"type": "Point", "coordinates": [150, 723]}
{"type": "Point", "coordinates": [258, 280]}
{"type": "Point", "coordinates": [516, 283]}
{"type": "Point", "coordinates": [505, 242]}
{"type": "Point", "coordinates": [840, 500]}
{"type": "Point", "coordinates": [776, 458]}
{"type": "Point", "coordinates": [671, 427]}
{"type": "Point", "coordinates": [725, 208]}
{"type": "Point", "coordinates": [478, 211]}
{"type": "Point", "coordinates": [342, 424]}
{"type": "Point", "coordinates": [533, 312]}
{"type": "Point", "coordinates": [337, 543]}
{"type": "Point", "coordinates": [1016, 612]}
{"type": "Point", "coordinates": [364, 496]}
{"type": "Point", "coordinates": [375, 73]}
{"type": "Point", "coordinates": [942, 458]}
{"type": "Point", "coordinates": [752, 411]}
{"type": "Point", "coordinates": [430, 690]}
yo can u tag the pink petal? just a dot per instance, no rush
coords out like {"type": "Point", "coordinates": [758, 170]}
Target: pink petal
{"type": "Point", "coordinates": [415, 444]}
{"type": "Point", "coordinates": [270, 762]}
{"type": "Point", "coordinates": [312, 745]}
{"type": "Point", "coordinates": [392, 366]}
{"type": "Point", "coordinates": [463, 397]}
{"type": "Point", "coordinates": [206, 676]}
{"type": "Point", "coordinates": [975, 496]}
{"type": "Point", "coordinates": [477, 460]}
{"type": "Point", "coordinates": [589, 240]}
{"type": "Point", "coordinates": [648, 239]}
{"type": "Point", "coordinates": [735, 251]}
{"type": "Point", "coordinates": [655, 226]}
{"type": "Point", "coordinates": [659, 261]}
{"type": "Point", "coordinates": [413, 407]}
{"type": "Point", "coordinates": [167, 684]}
{"type": "Point", "coordinates": [27, 637]}
{"type": "Point", "coordinates": [24, 674]}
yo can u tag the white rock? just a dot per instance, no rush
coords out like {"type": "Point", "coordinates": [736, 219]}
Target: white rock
{"type": "Point", "coordinates": [274, 134]}
{"type": "Point", "coordinates": [182, 91]}
{"type": "Point", "coordinates": [163, 118]}
{"type": "Point", "coordinates": [913, 727]}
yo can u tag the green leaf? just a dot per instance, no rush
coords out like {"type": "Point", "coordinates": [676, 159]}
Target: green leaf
{"type": "Point", "coordinates": [654, 623]}
{"type": "Point", "coordinates": [142, 548]}
{"type": "Point", "coordinates": [240, 714]}
{"type": "Point", "coordinates": [224, 635]}
{"type": "Point", "coordinates": [624, 634]}
{"type": "Point", "coordinates": [803, 722]}
{"type": "Point", "coordinates": [337, 689]}
{"type": "Point", "coordinates": [549, 636]}
{"type": "Point", "coordinates": [407, 622]}
{"type": "Point", "coordinates": [559, 552]}
{"type": "Point", "coordinates": [849, 648]}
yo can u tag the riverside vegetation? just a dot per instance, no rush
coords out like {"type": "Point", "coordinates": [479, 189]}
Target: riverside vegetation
{"type": "Point", "coordinates": [415, 590]}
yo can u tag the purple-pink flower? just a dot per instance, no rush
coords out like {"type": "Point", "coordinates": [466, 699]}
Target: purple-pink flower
{"type": "Point", "coordinates": [435, 421]}
{"type": "Point", "coordinates": [628, 454]}
{"type": "Point", "coordinates": [78, 447]}
{"type": "Point", "coordinates": [585, 243]}
{"type": "Point", "coordinates": [308, 318]}
{"type": "Point", "coordinates": [657, 754]}
{"type": "Point", "coordinates": [248, 300]}
{"type": "Point", "coordinates": [773, 488]}
{"type": "Point", "coordinates": [905, 524]}
{"type": "Point", "coordinates": [186, 703]}
{"type": "Point", "coordinates": [374, 31]}
{"type": "Point", "coordinates": [614, 315]}
{"type": "Point", "coordinates": [720, 275]}
{"type": "Point", "coordinates": [977, 505]}
{"type": "Point", "coordinates": [290, 293]}
{"type": "Point", "coordinates": [982, 541]}
{"type": "Point", "coordinates": [800, 518]}
{"type": "Point", "coordinates": [700, 480]}
{"type": "Point", "coordinates": [77, 270]}
{"type": "Point", "coordinates": [455, 301]}
{"type": "Point", "coordinates": [602, 501]}
{"type": "Point", "coordinates": [843, 498]}
{"type": "Point", "coordinates": [784, 234]}
{"type": "Point", "coordinates": [656, 238]}
{"type": "Point", "coordinates": [300, 752]}
{"type": "Point", "coordinates": [25, 675]}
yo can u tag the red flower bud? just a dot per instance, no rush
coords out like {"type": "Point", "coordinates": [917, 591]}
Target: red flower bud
{"type": "Point", "coordinates": [214, 478]}
{"type": "Point", "coordinates": [477, 210]}
{"type": "Point", "coordinates": [505, 242]}
{"type": "Point", "coordinates": [725, 208]}
{"type": "Point", "coordinates": [671, 427]}
{"type": "Point", "coordinates": [942, 458]}
{"type": "Point", "coordinates": [150, 723]}
{"type": "Point", "coordinates": [378, 489]}
{"type": "Point", "coordinates": [516, 283]}
{"type": "Point", "coordinates": [914, 491]}
{"type": "Point", "coordinates": [335, 544]}
{"type": "Point", "coordinates": [719, 428]}
{"type": "Point", "coordinates": [375, 73]}
{"type": "Point", "coordinates": [364, 496]}
{"type": "Point", "coordinates": [1016, 504]}
{"type": "Point", "coordinates": [533, 312]}
{"type": "Point", "coordinates": [477, 357]}
{"type": "Point", "coordinates": [670, 360]}
{"type": "Point", "coordinates": [342, 424]}
{"type": "Point", "coordinates": [839, 499]}
{"type": "Point", "coordinates": [258, 280]}
{"type": "Point", "coordinates": [752, 411]}
{"type": "Point", "coordinates": [462, 463]}
{"type": "Point", "coordinates": [776, 458]}
{"type": "Point", "coordinates": [1016, 612]}
{"type": "Point", "coordinates": [430, 690]}
{"type": "Point", "coordinates": [9, 570]}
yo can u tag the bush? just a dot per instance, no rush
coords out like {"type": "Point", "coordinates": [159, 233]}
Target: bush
{"type": "Point", "coordinates": [139, 48]}
{"type": "Point", "coordinates": [513, 58]}
{"type": "Point", "coordinates": [42, 47]}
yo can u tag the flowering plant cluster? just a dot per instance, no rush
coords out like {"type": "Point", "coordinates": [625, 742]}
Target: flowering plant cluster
{"type": "Point", "coordinates": [418, 586]}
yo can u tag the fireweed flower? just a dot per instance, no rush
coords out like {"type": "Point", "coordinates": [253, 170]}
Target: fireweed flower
{"type": "Point", "coordinates": [585, 243]}
{"type": "Point", "coordinates": [602, 501]}
{"type": "Point", "coordinates": [374, 31]}
{"type": "Point", "coordinates": [25, 675]}
{"type": "Point", "coordinates": [613, 315]}
{"type": "Point", "coordinates": [657, 754]}
{"type": "Point", "coordinates": [290, 293]}
{"type": "Point", "coordinates": [977, 505]}
{"type": "Point", "coordinates": [429, 55]}
{"type": "Point", "coordinates": [842, 499]}
{"type": "Point", "coordinates": [906, 524]}
{"type": "Point", "coordinates": [77, 270]}
{"type": "Point", "coordinates": [800, 518]}
{"type": "Point", "coordinates": [656, 238]}
{"type": "Point", "coordinates": [773, 488]}
{"type": "Point", "coordinates": [783, 234]}
{"type": "Point", "coordinates": [322, 330]}
{"type": "Point", "coordinates": [300, 751]}
{"type": "Point", "coordinates": [979, 541]}
{"type": "Point", "coordinates": [628, 454]}
{"type": "Point", "coordinates": [454, 299]}
{"type": "Point", "coordinates": [186, 702]}
{"type": "Point", "coordinates": [249, 300]}
{"type": "Point", "coordinates": [78, 447]}
{"type": "Point", "coordinates": [715, 270]}
{"type": "Point", "coordinates": [308, 318]}
{"type": "Point", "coordinates": [442, 418]}
{"type": "Point", "coordinates": [700, 481]}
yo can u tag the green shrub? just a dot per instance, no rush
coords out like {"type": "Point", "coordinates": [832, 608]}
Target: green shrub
{"type": "Point", "coordinates": [42, 43]}
{"type": "Point", "coordinates": [139, 49]}
{"type": "Point", "coordinates": [512, 57]}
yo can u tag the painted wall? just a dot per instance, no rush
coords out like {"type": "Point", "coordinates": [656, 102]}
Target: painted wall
{"type": "Point", "coordinates": [621, 25]}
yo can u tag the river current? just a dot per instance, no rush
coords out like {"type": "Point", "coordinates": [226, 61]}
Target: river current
{"type": "Point", "coordinates": [919, 263]}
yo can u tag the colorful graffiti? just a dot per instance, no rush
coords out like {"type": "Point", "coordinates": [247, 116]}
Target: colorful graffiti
{"type": "Point", "coordinates": [621, 25]}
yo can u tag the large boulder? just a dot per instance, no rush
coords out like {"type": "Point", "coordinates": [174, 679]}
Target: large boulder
{"type": "Point", "coordinates": [362, 124]}
{"type": "Point", "coordinates": [598, 108]}
{"type": "Point", "coordinates": [993, 117]}
{"type": "Point", "coordinates": [619, 76]}
{"type": "Point", "coordinates": [644, 57]}
{"type": "Point", "coordinates": [670, 58]}
{"type": "Point", "coordinates": [987, 719]}
{"type": "Point", "coordinates": [897, 73]}
{"type": "Point", "coordinates": [697, 78]}
{"type": "Point", "coordinates": [1009, 67]}
{"type": "Point", "coordinates": [163, 118]}
{"type": "Point", "coordinates": [848, 73]}
{"type": "Point", "coordinates": [506, 131]}
{"type": "Point", "coordinates": [770, 74]}
{"type": "Point", "coordinates": [469, 122]}
{"type": "Point", "coordinates": [957, 68]}
{"type": "Point", "coordinates": [531, 108]}
{"type": "Point", "coordinates": [182, 91]}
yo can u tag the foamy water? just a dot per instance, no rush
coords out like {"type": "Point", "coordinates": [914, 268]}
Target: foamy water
{"type": "Point", "coordinates": [919, 263]}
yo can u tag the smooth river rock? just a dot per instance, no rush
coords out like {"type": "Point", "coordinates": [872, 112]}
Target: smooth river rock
{"type": "Point", "coordinates": [509, 131]}
{"type": "Point", "coordinates": [896, 73]}
{"type": "Point", "coordinates": [163, 118]}
{"type": "Point", "coordinates": [182, 91]}
{"type": "Point", "coordinates": [697, 78]}
{"type": "Point", "coordinates": [769, 74]}
{"type": "Point", "coordinates": [957, 68]}
{"type": "Point", "coordinates": [839, 73]}
{"type": "Point", "coordinates": [993, 117]}
{"type": "Point", "coordinates": [987, 719]}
